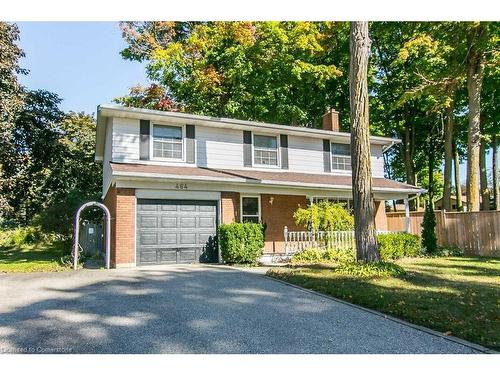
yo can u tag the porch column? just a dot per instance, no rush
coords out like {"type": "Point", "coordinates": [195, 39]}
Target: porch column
{"type": "Point", "coordinates": [407, 216]}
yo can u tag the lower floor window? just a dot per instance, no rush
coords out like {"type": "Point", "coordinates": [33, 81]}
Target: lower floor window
{"type": "Point", "coordinates": [250, 209]}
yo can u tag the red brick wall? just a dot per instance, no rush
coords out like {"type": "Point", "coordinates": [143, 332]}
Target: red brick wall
{"type": "Point", "coordinates": [230, 207]}
{"type": "Point", "coordinates": [380, 216]}
{"type": "Point", "coordinates": [121, 204]}
{"type": "Point", "coordinates": [277, 215]}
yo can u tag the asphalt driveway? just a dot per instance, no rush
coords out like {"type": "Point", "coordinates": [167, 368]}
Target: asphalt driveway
{"type": "Point", "coordinates": [190, 309]}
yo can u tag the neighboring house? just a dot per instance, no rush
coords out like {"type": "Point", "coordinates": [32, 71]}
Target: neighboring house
{"type": "Point", "coordinates": [170, 178]}
{"type": "Point", "coordinates": [453, 201]}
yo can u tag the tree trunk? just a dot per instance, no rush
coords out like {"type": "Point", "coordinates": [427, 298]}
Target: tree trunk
{"type": "Point", "coordinates": [431, 170]}
{"type": "Point", "coordinates": [448, 157]}
{"type": "Point", "coordinates": [364, 208]}
{"type": "Point", "coordinates": [494, 165]}
{"type": "Point", "coordinates": [485, 192]}
{"type": "Point", "coordinates": [475, 68]}
{"type": "Point", "coordinates": [458, 186]}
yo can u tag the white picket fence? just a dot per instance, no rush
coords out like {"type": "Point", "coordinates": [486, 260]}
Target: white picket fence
{"type": "Point", "coordinates": [296, 241]}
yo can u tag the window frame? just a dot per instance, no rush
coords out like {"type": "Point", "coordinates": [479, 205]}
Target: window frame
{"type": "Point", "coordinates": [152, 140]}
{"type": "Point", "coordinates": [278, 146]}
{"type": "Point", "coordinates": [332, 155]}
{"type": "Point", "coordinates": [349, 201]}
{"type": "Point", "coordinates": [259, 216]}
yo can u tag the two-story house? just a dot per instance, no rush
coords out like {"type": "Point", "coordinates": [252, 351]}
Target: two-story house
{"type": "Point", "coordinates": [170, 178]}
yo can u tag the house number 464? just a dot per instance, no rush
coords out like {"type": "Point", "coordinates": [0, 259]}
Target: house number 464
{"type": "Point", "coordinates": [181, 186]}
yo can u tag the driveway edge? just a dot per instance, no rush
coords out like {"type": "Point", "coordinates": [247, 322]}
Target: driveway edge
{"type": "Point", "coordinates": [454, 339]}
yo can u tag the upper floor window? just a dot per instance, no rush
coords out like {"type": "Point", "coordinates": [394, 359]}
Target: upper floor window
{"type": "Point", "coordinates": [265, 150]}
{"type": "Point", "coordinates": [167, 142]}
{"type": "Point", "coordinates": [341, 156]}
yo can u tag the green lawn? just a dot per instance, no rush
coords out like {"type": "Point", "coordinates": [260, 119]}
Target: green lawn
{"type": "Point", "coordinates": [32, 258]}
{"type": "Point", "coordinates": [457, 296]}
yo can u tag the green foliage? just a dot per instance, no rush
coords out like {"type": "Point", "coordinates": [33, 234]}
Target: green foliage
{"type": "Point", "coordinates": [151, 97]}
{"type": "Point", "coordinates": [369, 270]}
{"type": "Point", "coordinates": [241, 242]}
{"type": "Point", "coordinates": [282, 72]}
{"type": "Point", "coordinates": [429, 239]}
{"type": "Point", "coordinates": [22, 236]}
{"type": "Point", "coordinates": [314, 255]}
{"type": "Point", "coordinates": [398, 245]}
{"type": "Point", "coordinates": [324, 216]}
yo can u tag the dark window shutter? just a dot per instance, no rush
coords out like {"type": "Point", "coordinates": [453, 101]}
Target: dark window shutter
{"type": "Point", "coordinates": [190, 144]}
{"type": "Point", "coordinates": [284, 151]}
{"type": "Point", "coordinates": [327, 158]}
{"type": "Point", "coordinates": [144, 140]}
{"type": "Point", "coordinates": [247, 148]}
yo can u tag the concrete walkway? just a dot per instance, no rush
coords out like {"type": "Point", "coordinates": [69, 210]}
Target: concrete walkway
{"type": "Point", "coordinates": [191, 309]}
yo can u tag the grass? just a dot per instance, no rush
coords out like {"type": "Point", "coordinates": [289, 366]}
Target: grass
{"type": "Point", "coordinates": [40, 257]}
{"type": "Point", "coordinates": [458, 296]}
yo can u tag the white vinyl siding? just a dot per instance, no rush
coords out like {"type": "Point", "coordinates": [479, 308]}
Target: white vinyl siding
{"type": "Point", "coordinates": [219, 148]}
{"type": "Point", "coordinates": [377, 159]}
{"type": "Point", "coordinates": [305, 154]}
{"type": "Point", "coordinates": [106, 168]}
{"type": "Point", "coordinates": [125, 139]}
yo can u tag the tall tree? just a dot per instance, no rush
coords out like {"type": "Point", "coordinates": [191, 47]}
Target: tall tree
{"type": "Point", "coordinates": [475, 71]}
{"type": "Point", "coordinates": [282, 72]}
{"type": "Point", "coordinates": [11, 101]}
{"type": "Point", "coordinates": [364, 208]}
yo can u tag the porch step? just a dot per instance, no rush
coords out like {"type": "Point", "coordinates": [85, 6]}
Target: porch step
{"type": "Point", "coordinates": [275, 258]}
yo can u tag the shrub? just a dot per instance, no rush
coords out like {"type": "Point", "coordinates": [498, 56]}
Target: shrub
{"type": "Point", "coordinates": [340, 255]}
{"type": "Point", "coordinates": [429, 239]}
{"type": "Point", "coordinates": [397, 245]}
{"type": "Point", "coordinates": [324, 216]}
{"type": "Point", "coordinates": [22, 236]}
{"type": "Point", "coordinates": [324, 256]}
{"type": "Point", "coordinates": [380, 269]}
{"type": "Point", "coordinates": [241, 242]}
{"type": "Point", "coordinates": [308, 256]}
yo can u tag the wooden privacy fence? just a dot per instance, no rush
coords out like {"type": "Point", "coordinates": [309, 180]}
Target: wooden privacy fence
{"type": "Point", "coordinates": [477, 233]}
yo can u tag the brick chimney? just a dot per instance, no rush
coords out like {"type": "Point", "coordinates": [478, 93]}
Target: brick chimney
{"type": "Point", "coordinates": [331, 121]}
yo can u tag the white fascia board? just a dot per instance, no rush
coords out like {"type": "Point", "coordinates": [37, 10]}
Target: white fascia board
{"type": "Point", "coordinates": [221, 122]}
{"type": "Point", "coordinates": [239, 181]}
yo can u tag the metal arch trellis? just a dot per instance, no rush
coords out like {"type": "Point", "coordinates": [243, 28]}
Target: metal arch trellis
{"type": "Point", "coordinates": [77, 231]}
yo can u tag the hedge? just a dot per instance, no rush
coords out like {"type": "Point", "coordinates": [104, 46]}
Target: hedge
{"type": "Point", "coordinates": [398, 245]}
{"type": "Point", "coordinates": [391, 246]}
{"type": "Point", "coordinates": [241, 242]}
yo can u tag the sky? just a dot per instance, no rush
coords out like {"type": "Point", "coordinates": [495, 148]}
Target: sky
{"type": "Point", "coordinates": [79, 61]}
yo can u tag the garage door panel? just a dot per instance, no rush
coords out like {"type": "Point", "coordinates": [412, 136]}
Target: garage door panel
{"type": "Point", "coordinates": [206, 222]}
{"type": "Point", "coordinates": [148, 238]}
{"type": "Point", "coordinates": [168, 238]}
{"type": "Point", "coordinates": [168, 256]}
{"type": "Point", "coordinates": [168, 207]}
{"type": "Point", "coordinates": [168, 222]}
{"type": "Point", "coordinates": [149, 207]}
{"type": "Point", "coordinates": [176, 231]}
{"type": "Point", "coordinates": [148, 256]}
{"type": "Point", "coordinates": [188, 222]}
{"type": "Point", "coordinates": [147, 221]}
{"type": "Point", "coordinates": [187, 255]}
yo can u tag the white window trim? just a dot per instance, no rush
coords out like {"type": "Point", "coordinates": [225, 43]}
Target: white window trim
{"type": "Point", "coordinates": [278, 150]}
{"type": "Point", "coordinates": [345, 156]}
{"type": "Point", "coordinates": [258, 206]}
{"type": "Point", "coordinates": [151, 143]}
{"type": "Point", "coordinates": [317, 198]}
